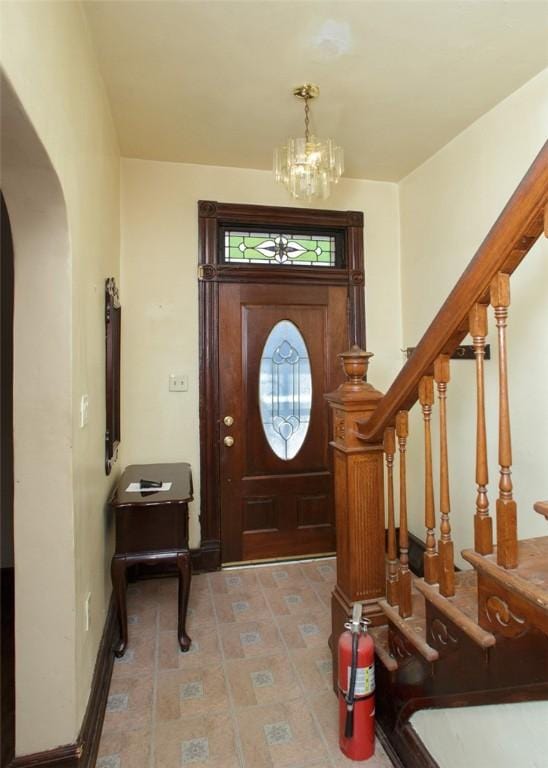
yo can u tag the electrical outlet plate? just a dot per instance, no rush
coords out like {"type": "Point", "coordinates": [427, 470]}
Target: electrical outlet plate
{"type": "Point", "coordinates": [87, 612]}
{"type": "Point", "coordinates": [178, 382]}
{"type": "Point", "coordinates": [84, 410]}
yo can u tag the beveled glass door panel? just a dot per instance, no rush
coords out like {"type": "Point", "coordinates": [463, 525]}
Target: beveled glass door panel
{"type": "Point", "coordinates": [285, 390]}
{"type": "Point", "coordinates": [309, 452]}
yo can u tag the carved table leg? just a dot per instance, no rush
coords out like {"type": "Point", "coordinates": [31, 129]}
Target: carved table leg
{"type": "Point", "coordinates": [183, 566]}
{"type": "Point", "coordinates": [118, 573]}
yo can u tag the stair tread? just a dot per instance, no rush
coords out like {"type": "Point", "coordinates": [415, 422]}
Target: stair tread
{"type": "Point", "coordinates": [529, 579]}
{"type": "Point", "coordinates": [382, 647]}
{"type": "Point", "coordinates": [462, 608]}
{"type": "Point", "coordinates": [414, 627]}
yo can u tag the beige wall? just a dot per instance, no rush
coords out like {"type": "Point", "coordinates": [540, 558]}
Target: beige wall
{"type": "Point", "coordinates": [160, 293]}
{"type": "Point", "coordinates": [447, 205]}
{"type": "Point", "coordinates": [62, 537]}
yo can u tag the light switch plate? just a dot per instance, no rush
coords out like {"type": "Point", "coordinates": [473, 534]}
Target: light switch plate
{"type": "Point", "coordinates": [178, 382]}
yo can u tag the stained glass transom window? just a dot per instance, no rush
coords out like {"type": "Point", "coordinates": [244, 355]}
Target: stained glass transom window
{"type": "Point", "coordinates": [285, 390]}
{"type": "Point", "coordinates": [279, 248]}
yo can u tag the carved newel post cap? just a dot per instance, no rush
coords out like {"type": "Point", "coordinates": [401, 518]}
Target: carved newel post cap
{"type": "Point", "coordinates": [355, 393]}
{"type": "Point", "coordinates": [355, 363]}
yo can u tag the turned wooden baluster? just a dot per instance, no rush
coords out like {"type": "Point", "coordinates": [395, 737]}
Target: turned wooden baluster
{"type": "Point", "coordinates": [507, 538]}
{"type": "Point", "coordinates": [402, 431]}
{"type": "Point", "coordinates": [483, 524]}
{"type": "Point", "coordinates": [431, 559]}
{"type": "Point", "coordinates": [445, 545]}
{"type": "Point", "coordinates": [392, 550]}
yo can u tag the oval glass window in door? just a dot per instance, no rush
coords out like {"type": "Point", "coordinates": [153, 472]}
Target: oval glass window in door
{"type": "Point", "coordinates": [285, 390]}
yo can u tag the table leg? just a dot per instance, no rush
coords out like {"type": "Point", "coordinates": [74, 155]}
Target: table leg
{"type": "Point", "coordinates": [118, 573]}
{"type": "Point", "coordinates": [183, 566]}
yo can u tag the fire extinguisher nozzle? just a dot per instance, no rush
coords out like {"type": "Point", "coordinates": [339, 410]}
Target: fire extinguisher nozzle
{"type": "Point", "coordinates": [349, 724]}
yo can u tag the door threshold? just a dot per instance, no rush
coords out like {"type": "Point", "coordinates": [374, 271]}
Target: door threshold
{"type": "Point", "coordinates": [275, 560]}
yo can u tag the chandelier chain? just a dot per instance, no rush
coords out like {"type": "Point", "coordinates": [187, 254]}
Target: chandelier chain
{"type": "Point", "coordinates": [306, 120]}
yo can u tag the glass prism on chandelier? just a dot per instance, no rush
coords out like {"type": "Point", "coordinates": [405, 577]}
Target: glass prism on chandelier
{"type": "Point", "coordinates": [308, 166]}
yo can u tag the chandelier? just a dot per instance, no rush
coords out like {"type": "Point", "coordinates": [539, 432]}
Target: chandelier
{"type": "Point", "coordinates": [308, 166]}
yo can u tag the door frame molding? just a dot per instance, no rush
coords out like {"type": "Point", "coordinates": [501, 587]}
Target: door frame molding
{"type": "Point", "coordinates": [211, 272]}
{"type": "Point", "coordinates": [7, 582]}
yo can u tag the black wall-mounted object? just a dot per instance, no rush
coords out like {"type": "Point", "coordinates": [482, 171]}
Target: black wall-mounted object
{"type": "Point", "coordinates": [113, 327]}
{"type": "Point", "coordinates": [462, 352]}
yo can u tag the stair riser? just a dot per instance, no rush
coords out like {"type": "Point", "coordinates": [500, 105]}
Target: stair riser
{"type": "Point", "coordinates": [506, 613]}
{"type": "Point", "coordinates": [451, 615]}
{"type": "Point", "coordinates": [453, 645]}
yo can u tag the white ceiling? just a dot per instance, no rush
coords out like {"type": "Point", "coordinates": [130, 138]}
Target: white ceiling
{"type": "Point", "coordinates": [210, 81]}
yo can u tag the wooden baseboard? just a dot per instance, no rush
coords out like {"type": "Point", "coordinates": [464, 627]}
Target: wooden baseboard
{"type": "Point", "coordinates": [206, 557]}
{"type": "Point", "coordinates": [83, 753]}
{"type": "Point", "coordinates": [415, 754]}
{"type": "Point", "coordinates": [67, 756]}
{"type": "Point", "coordinates": [92, 725]}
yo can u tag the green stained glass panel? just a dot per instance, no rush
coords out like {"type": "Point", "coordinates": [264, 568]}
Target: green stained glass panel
{"type": "Point", "coordinates": [279, 248]}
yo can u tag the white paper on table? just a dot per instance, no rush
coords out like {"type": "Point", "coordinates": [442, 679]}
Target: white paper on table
{"type": "Point", "coordinates": [136, 487]}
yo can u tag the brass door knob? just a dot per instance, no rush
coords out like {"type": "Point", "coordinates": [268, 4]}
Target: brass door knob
{"type": "Point", "coordinates": [228, 421]}
{"type": "Point", "coordinates": [228, 441]}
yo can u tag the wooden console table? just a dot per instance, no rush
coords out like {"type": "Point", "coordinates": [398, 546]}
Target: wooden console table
{"type": "Point", "coordinates": [152, 528]}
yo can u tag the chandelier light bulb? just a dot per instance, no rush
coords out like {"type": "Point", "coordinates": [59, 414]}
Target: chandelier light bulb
{"type": "Point", "coordinates": [308, 166]}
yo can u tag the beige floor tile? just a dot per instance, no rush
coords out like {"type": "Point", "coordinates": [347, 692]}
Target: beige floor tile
{"type": "Point", "coordinates": [138, 658]}
{"type": "Point", "coordinates": [141, 616]}
{"type": "Point", "coordinates": [262, 680]}
{"type": "Point", "coordinates": [321, 571]}
{"type": "Point", "coordinates": [232, 660]}
{"type": "Point", "coordinates": [204, 649]}
{"type": "Point", "coordinates": [240, 607]}
{"type": "Point", "coordinates": [254, 638]}
{"type": "Point", "coordinates": [293, 600]}
{"type": "Point", "coordinates": [279, 736]}
{"type": "Point", "coordinates": [324, 590]}
{"type": "Point", "coordinates": [281, 576]}
{"type": "Point", "coordinates": [200, 611]}
{"type": "Point", "coordinates": [234, 581]}
{"type": "Point", "coordinates": [307, 630]}
{"type": "Point", "coordinates": [200, 600]}
{"type": "Point", "coordinates": [205, 742]}
{"type": "Point", "coordinates": [326, 709]}
{"type": "Point", "coordinates": [124, 749]}
{"type": "Point", "coordinates": [314, 667]}
{"type": "Point", "coordinates": [129, 704]}
{"type": "Point", "coordinates": [190, 692]}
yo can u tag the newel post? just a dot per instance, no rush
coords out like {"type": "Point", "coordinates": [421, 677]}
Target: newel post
{"type": "Point", "coordinates": [359, 498]}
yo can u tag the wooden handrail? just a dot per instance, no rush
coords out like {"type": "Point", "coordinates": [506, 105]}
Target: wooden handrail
{"type": "Point", "coordinates": [509, 240]}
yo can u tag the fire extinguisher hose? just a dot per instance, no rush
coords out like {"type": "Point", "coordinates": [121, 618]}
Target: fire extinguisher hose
{"type": "Point", "coordinates": [350, 697]}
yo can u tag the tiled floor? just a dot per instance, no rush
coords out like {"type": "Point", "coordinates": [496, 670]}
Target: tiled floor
{"type": "Point", "coordinates": [254, 691]}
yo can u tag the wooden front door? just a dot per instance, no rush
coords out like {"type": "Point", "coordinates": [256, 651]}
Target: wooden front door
{"type": "Point", "coordinates": [278, 347]}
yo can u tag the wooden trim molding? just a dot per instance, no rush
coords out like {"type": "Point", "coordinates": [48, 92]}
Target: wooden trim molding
{"type": "Point", "coordinates": [212, 216]}
{"type": "Point", "coordinates": [83, 753]}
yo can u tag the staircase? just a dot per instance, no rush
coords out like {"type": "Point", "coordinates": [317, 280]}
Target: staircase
{"type": "Point", "coordinates": [450, 637]}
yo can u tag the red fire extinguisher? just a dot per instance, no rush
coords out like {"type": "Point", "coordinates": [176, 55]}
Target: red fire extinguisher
{"type": "Point", "coordinates": [357, 689]}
